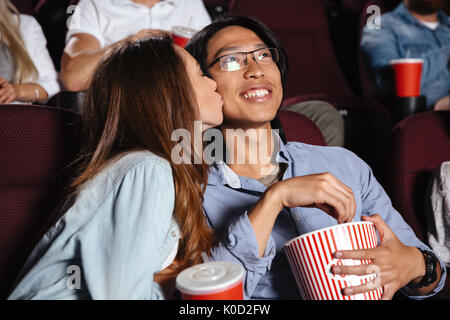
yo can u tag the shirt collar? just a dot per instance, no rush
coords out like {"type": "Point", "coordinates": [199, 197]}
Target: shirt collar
{"type": "Point", "coordinates": [404, 12]}
{"type": "Point", "coordinates": [221, 174]}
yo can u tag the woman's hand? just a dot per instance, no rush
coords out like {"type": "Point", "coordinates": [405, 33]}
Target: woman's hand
{"type": "Point", "coordinates": [394, 263]}
{"type": "Point", "coordinates": [8, 91]}
{"type": "Point", "coordinates": [322, 191]}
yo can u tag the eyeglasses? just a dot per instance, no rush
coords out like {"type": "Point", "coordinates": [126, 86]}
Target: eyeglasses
{"type": "Point", "coordinates": [237, 60]}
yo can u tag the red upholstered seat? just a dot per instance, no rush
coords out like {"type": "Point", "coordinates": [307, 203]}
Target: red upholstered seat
{"type": "Point", "coordinates": [299, 128]}
{"type": "Point", "coordinates": [419, 144]}
{"type": "Point", "coordinates": [302, 28]}
{"type": "Point", "coordinates": [35, 145]}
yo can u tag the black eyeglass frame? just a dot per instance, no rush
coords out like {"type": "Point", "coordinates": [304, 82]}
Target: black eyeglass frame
{"type": "Point", "coordinates": [247, 53]}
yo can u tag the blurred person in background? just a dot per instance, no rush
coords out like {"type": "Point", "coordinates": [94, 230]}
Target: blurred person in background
{"type": "Point", "coordinates": [97, 26]}
{"type": "Point", "coordinates": [414, 29]}
{"type": "Point", "coordinates": [27, 73]}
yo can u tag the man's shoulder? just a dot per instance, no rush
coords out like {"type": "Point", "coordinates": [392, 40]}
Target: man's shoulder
{"type": "Point", "coordinates": [299, 147]}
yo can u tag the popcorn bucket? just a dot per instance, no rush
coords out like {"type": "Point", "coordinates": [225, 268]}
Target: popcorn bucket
{"type": "Point", "coordinates": [311, 258]}
{"type": "Point", "coordinates": [212, 281]}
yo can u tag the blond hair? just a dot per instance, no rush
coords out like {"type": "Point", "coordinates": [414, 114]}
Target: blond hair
{"type": "Point", "coordinates": [10, 35]}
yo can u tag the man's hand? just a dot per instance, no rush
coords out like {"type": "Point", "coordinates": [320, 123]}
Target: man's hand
{"type": "Point", "coordinates": [8, 91]}
{"type": "Point", "coordinates": [443, 104]}
{"type": "Point", "coordinates": [322, 191]}
{"type": "Point", "coordinates": [396, 263]}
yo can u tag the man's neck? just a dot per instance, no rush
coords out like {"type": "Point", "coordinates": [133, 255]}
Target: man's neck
{"type": "Point", "coordinates": [250, 150]}
{"type": "Point", "coordinates": [147, 3]}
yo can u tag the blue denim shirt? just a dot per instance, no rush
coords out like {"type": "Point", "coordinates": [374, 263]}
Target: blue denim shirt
{"type": "Point", "coordinates": [403, 36]}
{"type": "Point", "coordinates": [111, 240]}
{"type": "Point", "coordinates": [229, 197]}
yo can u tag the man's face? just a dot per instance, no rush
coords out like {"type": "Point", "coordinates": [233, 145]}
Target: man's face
{"type": "Point", "coordinates": [252, 94]}
{"type": "Point", "coordinates": [425, 6]}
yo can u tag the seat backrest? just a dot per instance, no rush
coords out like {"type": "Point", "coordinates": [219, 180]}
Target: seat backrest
{"type": "Point", "coordinates": [36, 143]}
{"type": "Point", "coordinates": [24, 6]}
{"type": "Point", "coordinates": [302, 28]}
{"type": "Point", "coordinates": [300, 128]}
{"type": "Point", "coordinates": [419, 144]}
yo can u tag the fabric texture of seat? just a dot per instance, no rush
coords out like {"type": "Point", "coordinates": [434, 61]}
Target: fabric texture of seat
{"type": "Point", "coordinates": [299, 128]}
{"type": "Point", "coordinates": [419, 144]}
{"type": "Point", "coordinates": [36, 144]}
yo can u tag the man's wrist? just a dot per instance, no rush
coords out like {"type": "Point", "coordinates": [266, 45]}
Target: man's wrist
{"type": "Point", "coordinates": [428, 273]}
{"type": "Point", "coordinates": [421, 267]}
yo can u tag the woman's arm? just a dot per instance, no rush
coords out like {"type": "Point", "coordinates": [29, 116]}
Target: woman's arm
{"type": "Point", "coordinates": [27, 92]}
{"type": "Point", "coordinates": [124, 247]}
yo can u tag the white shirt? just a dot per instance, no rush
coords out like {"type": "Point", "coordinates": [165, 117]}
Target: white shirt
{"type": "Point", "coordinates": [112, 20]}
{"type": "Point", "coordinates": [431, 25]}
{"type": "Point", "coordinates": [36, 45]}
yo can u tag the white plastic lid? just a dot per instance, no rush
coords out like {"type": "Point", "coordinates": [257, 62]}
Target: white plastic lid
{"type": "Point", "coordinates": [183, 31]}
{"type": "Point", "coordinates": [209, 277]}
{"type": "Point", "coordinates": [406, 60]}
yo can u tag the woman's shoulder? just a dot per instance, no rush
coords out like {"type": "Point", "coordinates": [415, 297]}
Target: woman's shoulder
{"type": "Point", "coordinates": [125, 175]}
{"type": "Point", "coordinates": [29, 26]}
{"type": "Point", "coordinates": [126, 162]}
{"type": "Point", "coordinates": [27, 21]}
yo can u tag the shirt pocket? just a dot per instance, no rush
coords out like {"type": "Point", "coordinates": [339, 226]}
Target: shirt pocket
{"type": "Point", "coordinates": [415, 51]}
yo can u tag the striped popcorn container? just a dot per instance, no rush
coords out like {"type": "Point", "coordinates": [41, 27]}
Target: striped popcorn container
{"type": "Point", "coordinates": [311, 258]}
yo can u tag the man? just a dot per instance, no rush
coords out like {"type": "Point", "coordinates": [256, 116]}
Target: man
{"type": "Point", "coordinates": [98, 26]}
{"type": "Point", "coordinates": [293, 189]}
{"type": "Point", "coordinates": [415, 29]}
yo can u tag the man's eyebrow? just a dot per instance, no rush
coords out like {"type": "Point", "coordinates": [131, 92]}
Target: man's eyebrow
{"type": "Point", "coordinates": [236, 49]}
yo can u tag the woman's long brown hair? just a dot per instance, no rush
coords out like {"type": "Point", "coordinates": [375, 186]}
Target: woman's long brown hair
{"type": "Point", "coordinates": [139, 94]}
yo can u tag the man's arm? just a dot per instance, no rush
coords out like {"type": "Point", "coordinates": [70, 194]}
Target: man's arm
{"type": "Point", "coordinates": [80, 57]}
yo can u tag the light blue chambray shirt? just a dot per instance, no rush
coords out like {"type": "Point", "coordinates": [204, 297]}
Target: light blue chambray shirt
{"type": "Point", "coordinates": [229, 197]}
{"type": "Point", "coordinates": [114, 237]}
{"type": "Point", "coordinates": [403, 36]}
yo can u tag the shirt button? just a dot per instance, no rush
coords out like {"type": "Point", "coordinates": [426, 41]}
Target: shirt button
{"type": "Point", "coordinates": [173, 234]}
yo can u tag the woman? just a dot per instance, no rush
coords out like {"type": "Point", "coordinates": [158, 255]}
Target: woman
{"type": "Point", "coordinates": [27, 73]}
{"type": "Point", "coordinates": [126, 223]}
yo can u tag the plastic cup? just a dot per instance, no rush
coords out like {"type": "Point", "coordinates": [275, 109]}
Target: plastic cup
{"type": "Point", "coordinates": [182, 35]}
{"type": "Point", "coordinates": [311, 258]}
{"type": "Point", "coordinates": [212, 281]}
{"type": "Point", "coordinates": [408, 73]}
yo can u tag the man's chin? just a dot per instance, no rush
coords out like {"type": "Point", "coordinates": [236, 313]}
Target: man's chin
{"type": "Point", "coordinates": [424, 7]}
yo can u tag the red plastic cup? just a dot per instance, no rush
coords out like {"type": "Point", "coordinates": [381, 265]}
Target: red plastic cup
{"type": "Point", "coordinates": [311, 258]}
{"type": "Point", "coordinates": [408, 73]}
{"type": "Point", "coordinates": [182, 35]}
{"type": "Point", "coordinates": [216, 280]}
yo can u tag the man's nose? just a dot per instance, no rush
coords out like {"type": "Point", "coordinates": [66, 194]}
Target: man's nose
{"type": "Point", "coordinates": [253, 69]}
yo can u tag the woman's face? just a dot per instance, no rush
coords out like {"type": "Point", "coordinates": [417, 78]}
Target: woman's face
{"type": "Point", "coordinates": [208, 100]}
{"type": "Point", "coordinates": [252, 94]}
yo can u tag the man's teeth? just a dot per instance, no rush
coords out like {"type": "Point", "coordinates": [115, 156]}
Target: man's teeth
{"type": "Point", "coordinates": [256, 93]}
